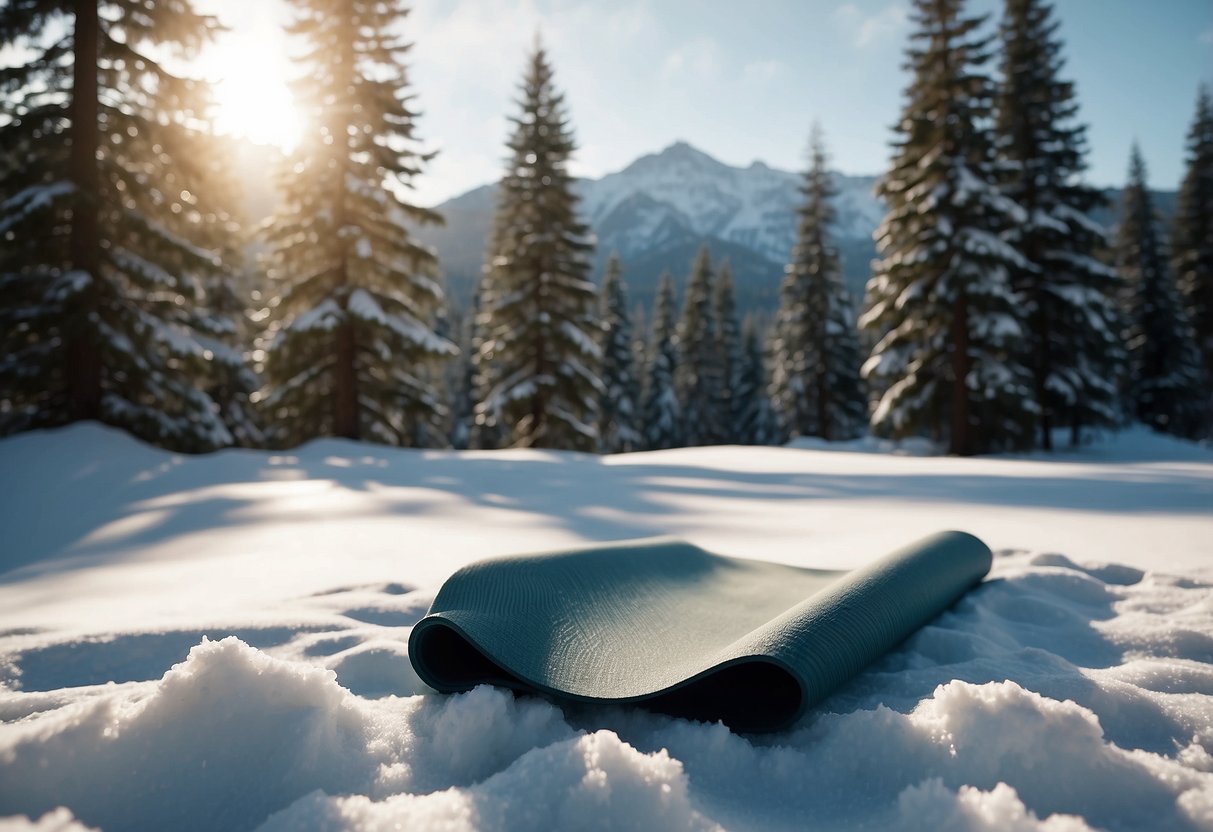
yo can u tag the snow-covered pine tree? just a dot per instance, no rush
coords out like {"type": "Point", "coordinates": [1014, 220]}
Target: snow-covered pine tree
{"type": "Point", "coordinates": [756, 422]}
{"type": "Point", "coordinates": [351, 345]}
{"type": "Point", "coordinates": [102, 200]}
{"type": "Point", "coordinates": [461, 380]}
{"type": "Point", "coordinates": [640, 350]}
{"type": "Point", "coordinates": [661, 417]}
{"type": "Point", "coordinates": [620, 400]}
{"type": "Point", "coordinates": [539, 358]}
{"type": "Point", "coordinates": [1165, 390]}
{"type": "Point", "coordinates": [228, 293]}
{"type": "Point", "coordinates": [728, 347]}
{"type": "Point", "coordinates": [1069, 296]}
{"type": "Point", "coordinates": [487, 433]}
{"type": "Point", "coordinates": [698, 377]}
{"type": "Point", "coordinates": [947, 361]}
{"type": "Point", "coordinates": [1192, 239]}
{"type": "Point", "coordinates": [816, 377]}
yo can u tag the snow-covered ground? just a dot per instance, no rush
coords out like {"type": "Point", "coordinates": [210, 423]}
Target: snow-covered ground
{"type": "Point", "coordinates": [219, 642]}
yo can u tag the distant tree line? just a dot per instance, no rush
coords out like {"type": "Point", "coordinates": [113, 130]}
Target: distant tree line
{"type": "Point", "coordinates": [997, 312]}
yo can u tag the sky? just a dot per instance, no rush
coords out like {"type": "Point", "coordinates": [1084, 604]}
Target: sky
{"type": "Point", "coordinates": [739, 81]}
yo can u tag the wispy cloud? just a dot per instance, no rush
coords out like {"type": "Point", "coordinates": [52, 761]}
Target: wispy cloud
{"type": "Point", "coordinates": [698, 58]}
{"type": "Point", "coordinates": [1207, 36]}
{"type": "Point", "coordinates": [870, 29]}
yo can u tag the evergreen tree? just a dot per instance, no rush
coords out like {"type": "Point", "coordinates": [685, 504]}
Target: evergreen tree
{"type": "Point", "coordinates": [756, 422]}
{"type": "Point", "coordinates": [232, 386]}
{"type": "Point", "coordinates": [699, 375]}
{"type": "Point", "coordinates": [728, 347]}
{"type": "Point", "coordinates": [618, 405]}
{"type": "Point", "coordinates": [462, 382]}
{"type": "Point", "coordinates": [1164, 365]}
{"type": "Point", "coordinates": [351, 340]}
{"type": "Point", "coordinates": [640, 348]}
{"type": "Point", "coordinates": [816, 369]}
{"type": "Point", "coordinates": [1068, 295]}
{"type": "Point", "coordinates": [486, 432]}
{"type": "Point", "coordinates": [1192, 239]}
{"type": "Point", "coordinates": [104, 215]}
{"type": "Point", "coordinates": [538, 360]}
{"type": "Point", "coordinates": [661, 416]}
{"type": "Point", "coordinates": [940, 301]}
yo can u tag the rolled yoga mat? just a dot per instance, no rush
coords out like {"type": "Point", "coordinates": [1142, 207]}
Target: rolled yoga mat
{"type": "Point", "coordinates": [662, 623]}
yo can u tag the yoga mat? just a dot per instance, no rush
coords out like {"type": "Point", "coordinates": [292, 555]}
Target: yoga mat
{"type": "Point", "coordinates": [667, 625]}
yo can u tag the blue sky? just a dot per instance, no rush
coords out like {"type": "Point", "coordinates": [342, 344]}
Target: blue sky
{"type": "Point", "coordinates": [744, 81]}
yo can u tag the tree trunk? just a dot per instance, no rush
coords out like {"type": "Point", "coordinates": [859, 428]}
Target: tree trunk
{"type": "Point", "coordinates": [345, 385]}
{"type": "Point", "coordinates": [962, 431]}
{"type": "Point", "coordinates": [83, 371]}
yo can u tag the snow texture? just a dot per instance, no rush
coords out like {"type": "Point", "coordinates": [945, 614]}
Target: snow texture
{"type": "Point", "coordinates": [219, 642]}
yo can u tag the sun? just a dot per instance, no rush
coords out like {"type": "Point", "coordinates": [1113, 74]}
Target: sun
{"type": "Point", "coordinates": [250, 68]}
{"type": "Point", "coordinates": [258, 108]}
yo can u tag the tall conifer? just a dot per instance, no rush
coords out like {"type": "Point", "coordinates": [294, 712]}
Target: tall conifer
{"type": "Point", "coordinates": [352, 340]}
{"type": "Point", "coordinates": [1069, 297]}
{"type": "Point", "coordinates": [756, 422]}
{"type": "Point", "coordinates": [661, 416]}
{"type": "Point", "coordinates": [948, 324]}
{"type": "Point", "coordinates": [816, 367]}
{"type": "Point", "coordinates": [619, 404]}
{"type": "Point", "coordinates": [699, 375]}
{"type": "Point", "coordinates": [1192, 239]}
{"type": "Point", "coordinates": [538, 362]}
{"type": "Point", "coordinates": [1165, 390]}
{"type": "Point", "coordinates": [106, 214]}
{"type": "Point", "coordinates": [729, 348]}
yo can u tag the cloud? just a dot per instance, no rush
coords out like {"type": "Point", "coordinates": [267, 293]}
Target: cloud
{"type": "Point", "coordinates": [869, 29]}
{"type": "Point", "coordinates": [1206, 36]}
{"type": "Point", "coordinates": [699, 57]}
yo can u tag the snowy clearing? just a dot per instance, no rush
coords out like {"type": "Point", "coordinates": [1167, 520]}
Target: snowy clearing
{"type": "Point", "coordinates": [218, 642]}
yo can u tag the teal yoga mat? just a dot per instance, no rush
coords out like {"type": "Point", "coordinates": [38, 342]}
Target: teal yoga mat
{"type": "Point", "coordinates": [664, 624]}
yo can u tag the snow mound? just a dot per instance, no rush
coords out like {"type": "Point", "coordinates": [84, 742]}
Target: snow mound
{"type": "Point", "coordinates": [185, 753]}
{"type": "Point", "coordinates": [220, 642]}
{"type": "Point", "coordinates": [60, 820]}
{"type": "Point", "coordinates": [592, 782]}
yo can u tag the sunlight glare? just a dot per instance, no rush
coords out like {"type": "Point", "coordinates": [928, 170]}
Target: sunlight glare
{"type": "Point", "coordinates": [251, 71]}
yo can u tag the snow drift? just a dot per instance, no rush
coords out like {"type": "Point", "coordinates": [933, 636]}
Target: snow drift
{"type": "Point", "coordinates": [219, 642]}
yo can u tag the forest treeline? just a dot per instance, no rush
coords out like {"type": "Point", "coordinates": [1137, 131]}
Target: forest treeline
{"type": "Point", "coordinates": [997, 312]}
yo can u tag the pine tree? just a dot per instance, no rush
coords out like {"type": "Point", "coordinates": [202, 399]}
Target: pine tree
{"type": "Point", "coordinates": [756, 422]}
{"type": "Point", "coordinates": [1068, 295]}
{"type": "Point", "coordinates": [232, 386]}
{"type": "Point", "coordinates": [462, 381]}
{"type": "Point", "coordinates": [940, 301]}
{"type": "Point", "coordinates": [816, 368]}
{"type": "Point", "coordinates": [538, 361]}
{"type": "Point", "coordinates": [661, 416]}
{"type": "Point", "coordinates": [618, 405]}
{"type": "Point", "coordinates": [352, 344]}
{"type": "Point", "coordinates": [104, 214]}
{"type": "Point", "coordinates": [1192, 239]}
{"type": "Point", "coordinates": [1165, 389]}
{"type": "Point", "coordinates": [699, 375]}
{"type": "Point", "coordinates": [728, 347]}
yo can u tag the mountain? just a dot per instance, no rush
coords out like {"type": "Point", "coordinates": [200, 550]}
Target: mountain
{"type": "Point", "coordinates": [656, 213]}
{"type": "Point", "coordinates": [658, 210]}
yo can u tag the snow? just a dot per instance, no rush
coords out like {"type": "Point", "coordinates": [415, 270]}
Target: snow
{"type": "Point", "coordinates": [685, 187]}
{"type": "Point", "coordinates": [219, 642]}
{"type": "Point", "coordinates": [29, 201]}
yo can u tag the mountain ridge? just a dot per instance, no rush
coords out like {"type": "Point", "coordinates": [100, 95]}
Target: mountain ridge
{"type": "Point", "coordinates": [658, 210]}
